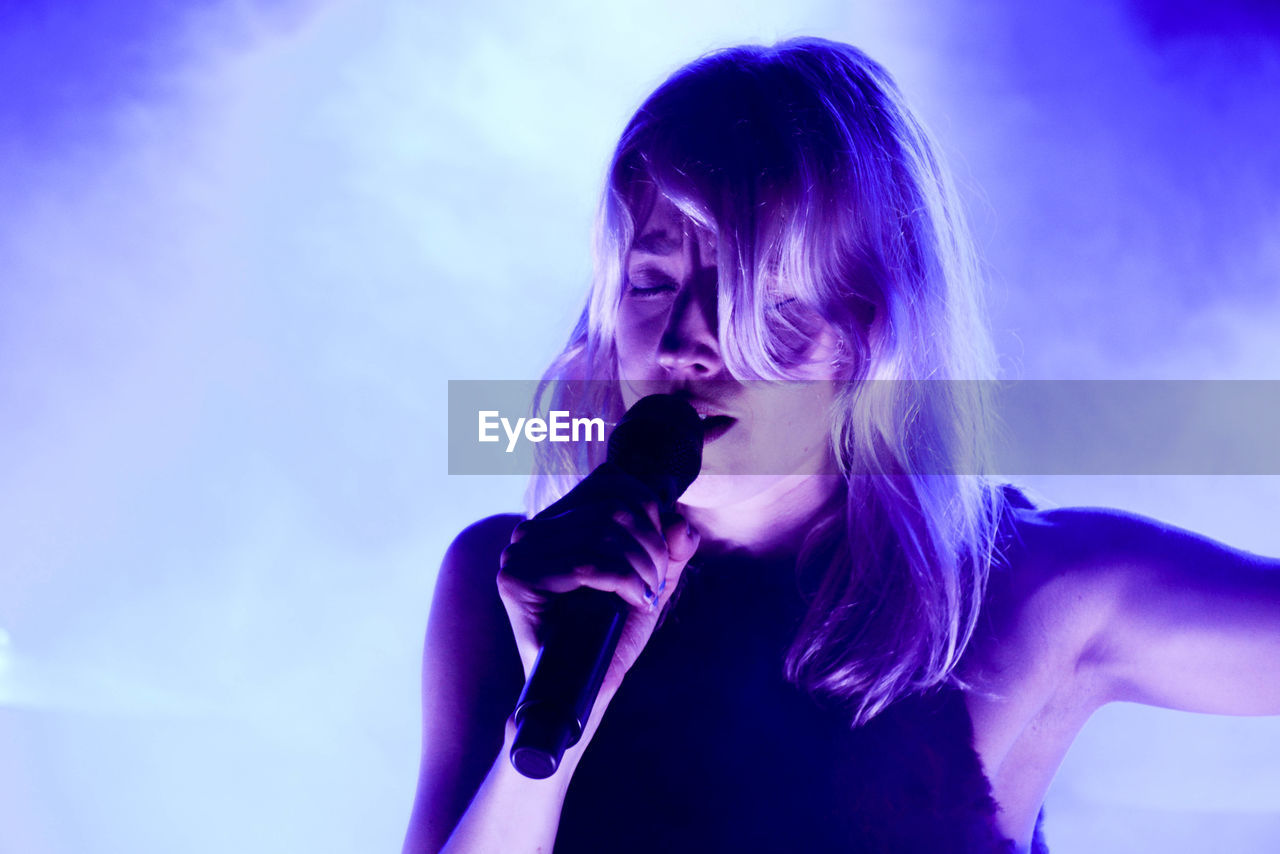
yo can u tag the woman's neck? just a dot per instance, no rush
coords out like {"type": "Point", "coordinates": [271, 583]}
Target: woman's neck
{"type": "Point", "coordinates": [769, 524]}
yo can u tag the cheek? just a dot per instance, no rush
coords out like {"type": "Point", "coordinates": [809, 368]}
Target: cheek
{"type": "Point", "coordinates": [794, 425]}
{"type": "Point", "coordinates": [637, 341]}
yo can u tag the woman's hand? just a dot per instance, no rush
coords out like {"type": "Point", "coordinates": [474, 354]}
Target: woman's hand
{"type": "Point", "coordinates": [606, 534]}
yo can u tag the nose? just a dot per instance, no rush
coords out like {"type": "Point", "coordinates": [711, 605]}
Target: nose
{"type": "Point", "coordinates": [690, 343]}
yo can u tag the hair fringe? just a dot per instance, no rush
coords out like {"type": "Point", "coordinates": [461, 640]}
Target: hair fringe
{"type": "Point", "coordinates": [865, 226]}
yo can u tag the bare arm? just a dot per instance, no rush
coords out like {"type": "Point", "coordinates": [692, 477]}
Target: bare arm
{"type": "Point", "coordinates": [482, 640]}
{"type": "Point", "coordinates": [1096, 606]}
{"type": "Point", "coordinates": [512, 813]}
{"type": "Point", "coordinates": [469, 796]}
{"type": "Point", "coordinates": [471, 676]}
{"type": "Point", "coordinates": [1163, 616]}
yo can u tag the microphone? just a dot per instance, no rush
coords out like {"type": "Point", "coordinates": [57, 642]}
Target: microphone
{"type": "Point", "coordinates": [659, 443]}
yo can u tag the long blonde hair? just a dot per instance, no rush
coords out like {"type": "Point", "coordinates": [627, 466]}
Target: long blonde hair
{"type": "Point", "coordinates": [806, 164]}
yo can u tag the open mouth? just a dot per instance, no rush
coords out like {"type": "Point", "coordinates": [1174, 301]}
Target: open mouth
{"type": "Point", "coordinates": [715, 426]}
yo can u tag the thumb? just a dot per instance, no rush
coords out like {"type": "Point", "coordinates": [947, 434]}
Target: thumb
{"type": "Point", "coordinates": [682, 540]}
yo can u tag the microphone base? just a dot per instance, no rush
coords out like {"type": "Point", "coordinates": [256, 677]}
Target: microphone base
{"type": "Point", "coordinates": [540, 742]}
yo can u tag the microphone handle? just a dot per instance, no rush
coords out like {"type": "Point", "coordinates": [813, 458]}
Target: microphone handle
{"type": "Point", "coordinates": [583, 628]}
{"type": "Point", "coordinates": [658, 442]}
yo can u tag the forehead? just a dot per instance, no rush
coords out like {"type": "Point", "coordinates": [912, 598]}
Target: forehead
{"type": "Point", "coordinates": [665, 229]}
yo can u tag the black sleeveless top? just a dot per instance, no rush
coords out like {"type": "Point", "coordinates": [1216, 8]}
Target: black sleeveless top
{"type": "Point", "coordinates": [707, 748]}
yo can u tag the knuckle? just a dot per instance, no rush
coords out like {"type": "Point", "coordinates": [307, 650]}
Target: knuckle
{"type": "Point", "coordinates": [511, 554]}
{"type": "Point", "coordinates": [590, 574]}
{"type": "Point", "coordinates": [597, 572]}
{"type": "Point", "coordinates": [508, 586]}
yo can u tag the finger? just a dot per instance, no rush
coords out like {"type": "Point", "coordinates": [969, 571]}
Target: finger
{"type": "Point", "coordinates": [520, 530]}
{"type": "Point", "coordinates": [618, 487]}
{"type": "Point", "coordinates": [644, 545]}
{"type": "Point", "coordinates": [613, 567]}
{"type": "Point", "coordinates": [619, 578]}
{"type": "Point", "coordinates": [681, 537]}
{"type": "Point", "coordinates": [552, 548]}
{"type": "Point", "coordinates": [642, 560]}
{"type": "Point", "coordinates": [610, 573]}
{"type": "Point", "coordinates": [549, 544]}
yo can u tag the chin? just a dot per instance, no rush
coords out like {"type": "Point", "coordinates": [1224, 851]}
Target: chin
{"type": "Point", "coordinates": [711, 491]}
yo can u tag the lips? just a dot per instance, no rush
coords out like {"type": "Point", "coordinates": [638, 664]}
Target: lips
{"type": "Point", "coordinates": [714, 422]}
{"type": "Point", "coordinates": [715, 426]}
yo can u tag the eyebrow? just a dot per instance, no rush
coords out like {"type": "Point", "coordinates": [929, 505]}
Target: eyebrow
{"type": "Point", "coordinates": [657, 243]}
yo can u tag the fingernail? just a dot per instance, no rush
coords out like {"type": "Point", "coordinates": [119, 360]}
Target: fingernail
{"type": "Point", "coordinates": [650, 596]}
{"type": "Point", "coordinates": [662, 586]}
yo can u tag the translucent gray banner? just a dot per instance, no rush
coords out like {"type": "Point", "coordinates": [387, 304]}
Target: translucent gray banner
{"type": "Point", "coordinates": [1035, 427]}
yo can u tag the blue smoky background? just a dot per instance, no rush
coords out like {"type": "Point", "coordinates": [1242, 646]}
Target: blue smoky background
{"type": "Point", "coordinates": [245, 246]}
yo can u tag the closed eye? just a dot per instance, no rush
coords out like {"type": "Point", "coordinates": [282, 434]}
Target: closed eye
{"type": "Point", "coordinates": [650, 285]}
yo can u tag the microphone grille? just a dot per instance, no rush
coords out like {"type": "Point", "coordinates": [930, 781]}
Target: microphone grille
{"type": "Point", "coordinates": [659, 442]}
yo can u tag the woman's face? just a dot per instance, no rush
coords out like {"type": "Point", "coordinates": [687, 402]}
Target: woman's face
{"type": "Point", "coordinates": [759, 435]}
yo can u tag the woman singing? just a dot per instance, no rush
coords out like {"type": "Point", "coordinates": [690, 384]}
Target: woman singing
{"type": "Point", "coordinates": [844, 638]}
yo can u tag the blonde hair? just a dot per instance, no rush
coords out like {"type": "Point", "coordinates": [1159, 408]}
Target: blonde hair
{"type": "Point", "coordinates": [808, 167]}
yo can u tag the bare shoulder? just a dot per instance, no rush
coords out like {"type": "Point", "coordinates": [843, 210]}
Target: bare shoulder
{"type": "Point", "coordinates": [467, 618]}
{"type": "Point", "coordinates": [1091, 605]}
{"type": "Point", "coordinates": [477, 549]}
{"type": "Point", "coordinates": [471, 676]}
{"type": "Point", "coordinates": [1062, 571]}
{"type": "Point", "coordinates": [470, 658]}
{"type": "Point", "coordinates": [1045, 592]}
{"type": "Point", "coordinates": [1051, 595]}
{"type": "Point", "coordinates": [1070, 572]}
{"type": "Point", "coordinates": [1031, 688]}
{"type": "Point", "coordinates": [1088, 605]}
{"type": "Point", "coordinates": [468, 637]}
